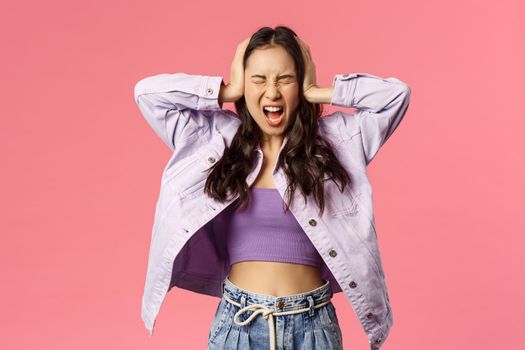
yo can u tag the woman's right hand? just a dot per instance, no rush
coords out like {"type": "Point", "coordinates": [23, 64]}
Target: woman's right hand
{"type": "Point", "coordinates": [234, 90]}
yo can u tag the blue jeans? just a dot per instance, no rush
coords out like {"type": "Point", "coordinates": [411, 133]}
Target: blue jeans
{"type": "Point", "coordinates": [246, 320]}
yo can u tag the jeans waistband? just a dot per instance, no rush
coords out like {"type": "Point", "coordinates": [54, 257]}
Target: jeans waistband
{"type": "Point", "coordinates": [269, 306]}
{"type": "Point", "coordinates": [282, 303]}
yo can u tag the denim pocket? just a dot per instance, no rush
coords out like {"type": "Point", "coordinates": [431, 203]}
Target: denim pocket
{"type": "Point", "coordinates": [332, 313]}
{"type": "Point", "coordinates": [333, 324]}
{"type": "Point", "coordinates": [219, 319]}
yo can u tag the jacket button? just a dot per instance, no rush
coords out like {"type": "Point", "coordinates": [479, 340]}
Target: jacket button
{"type": "Point", "coordinates": [211, 160]}
{"type": "Point", "coordinates": [352, 284]}
{"type": "Point", "coordinates": [209, 91]}
{"type": "Point", "coordinates": [280, 305]}
{"type": "Point", "coordinates": [369, 315]}
{"type": "Point", "coordinates": [332, 253]}
{"type": "Point", "coordinates": [379, 340]}
{"type": "Point", "coordinates": [312, 222]}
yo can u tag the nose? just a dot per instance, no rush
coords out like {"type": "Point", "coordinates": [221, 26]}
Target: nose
{"type": "Point", "coordinates": [272, 92]}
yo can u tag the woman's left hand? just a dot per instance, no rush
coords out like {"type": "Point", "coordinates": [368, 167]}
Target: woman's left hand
{"type": "Point", "coordinates": [310, 81]}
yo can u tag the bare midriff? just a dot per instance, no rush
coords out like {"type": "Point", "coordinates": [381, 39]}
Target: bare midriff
{"type": "Point", "coordinates": [270, 277]}
{"type": "Point", "coordinates": [275, 278]}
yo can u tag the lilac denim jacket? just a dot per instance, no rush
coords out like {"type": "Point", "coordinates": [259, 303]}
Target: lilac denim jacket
{"type": "Point", "coordinates": [188, 245]}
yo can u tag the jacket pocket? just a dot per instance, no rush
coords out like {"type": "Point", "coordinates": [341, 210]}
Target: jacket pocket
{"type": "Point", "coordinates": [341, 204]}
{"type": "Point", "coordinates": [180, 167]}
{"type": "Point", "coordinates": [188, 179]}
{"type": "Point", "coordinates": [193, 191]}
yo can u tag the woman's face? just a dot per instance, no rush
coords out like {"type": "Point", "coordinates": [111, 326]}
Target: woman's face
{"type": "Point", "coordinates": [270, 80]}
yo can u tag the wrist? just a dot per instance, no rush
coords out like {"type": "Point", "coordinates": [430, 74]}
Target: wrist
{"type": "Point", "coordinates": [317, 94]}
{"type": "Point", "coordinates": [228, 93]}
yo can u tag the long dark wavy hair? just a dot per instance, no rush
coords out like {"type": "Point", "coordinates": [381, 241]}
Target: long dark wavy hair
{"type": "Point", "coordinates": [307, 158]}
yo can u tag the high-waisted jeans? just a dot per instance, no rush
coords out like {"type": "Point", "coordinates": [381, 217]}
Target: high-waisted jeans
{"type": "Point", "coordinates": [246, 320]}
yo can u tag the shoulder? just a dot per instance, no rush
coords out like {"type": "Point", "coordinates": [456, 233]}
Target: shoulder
{"type": "Point", "coordinates": [340, 124]}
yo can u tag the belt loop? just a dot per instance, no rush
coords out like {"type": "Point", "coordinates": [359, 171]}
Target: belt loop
{"type": "Point", "coordinates": [311, 305]}
{"type": "Point", "coordinates": [243, 301]}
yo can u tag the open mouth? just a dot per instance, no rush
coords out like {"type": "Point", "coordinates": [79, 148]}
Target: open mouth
{"type": "Point", "coordinates": [274, 118]}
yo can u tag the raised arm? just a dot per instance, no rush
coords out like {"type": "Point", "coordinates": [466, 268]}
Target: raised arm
{"type": "Point", "coordinates": [175, 105]}
{"type": "Point", "coordinates": [381, 104]}
{"type": "Point", "coordinates": [172, 104]}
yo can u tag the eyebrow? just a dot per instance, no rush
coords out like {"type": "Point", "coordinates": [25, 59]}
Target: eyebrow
{"type": "Point", "coordinates": [279, 77]}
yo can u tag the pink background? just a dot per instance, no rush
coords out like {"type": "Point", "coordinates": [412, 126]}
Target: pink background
{"type": "Point", "coordinates": [81, 168]}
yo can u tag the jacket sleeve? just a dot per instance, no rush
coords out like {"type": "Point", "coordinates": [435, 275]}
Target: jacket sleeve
{"type": "Point", "coordinates": [381, 104]}
{"type": "Point", "coordinates": [173, 104]}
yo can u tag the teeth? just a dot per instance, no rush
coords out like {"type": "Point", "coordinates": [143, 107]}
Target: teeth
{"type": "Point", "coordinates": [272, 109]}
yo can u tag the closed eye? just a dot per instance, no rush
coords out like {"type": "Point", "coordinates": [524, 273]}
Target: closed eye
{"type": "Point", "coordinates": [287, 81]}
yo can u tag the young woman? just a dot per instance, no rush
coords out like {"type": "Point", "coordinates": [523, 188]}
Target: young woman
{"type": "Point", "coordinates": [270, 208]}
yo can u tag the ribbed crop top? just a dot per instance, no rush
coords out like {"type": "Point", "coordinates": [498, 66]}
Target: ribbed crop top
{"type": "Point", "coordinates": [263, 231]}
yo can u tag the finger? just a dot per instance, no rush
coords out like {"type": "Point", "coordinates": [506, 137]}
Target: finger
{"type": "Point", "coordinates": [304, 47]}
{"type": "Point", "coordinates": [303, 43]}
{"type": "Point", "coordinates": [244, 42]}
{"type": "Point", "coordinates": [306, 54]}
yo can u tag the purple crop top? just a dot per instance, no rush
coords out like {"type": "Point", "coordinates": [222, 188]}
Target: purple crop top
{"type": "Point", "coordinates": [263, 231]}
